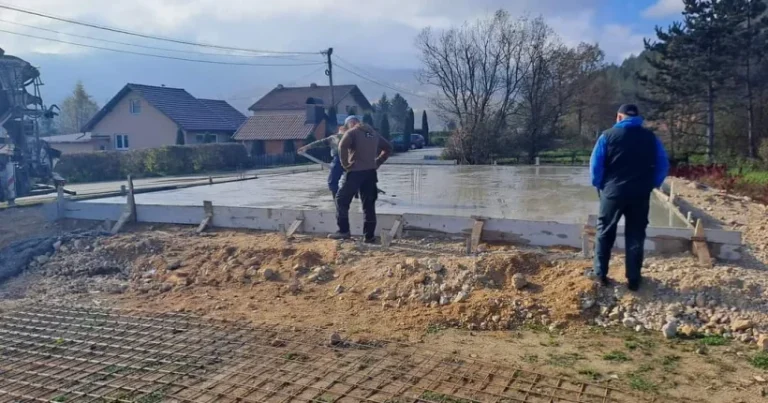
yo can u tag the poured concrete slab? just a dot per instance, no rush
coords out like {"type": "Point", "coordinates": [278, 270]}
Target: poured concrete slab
{"type": "Point", "coordinates": [561, 194]}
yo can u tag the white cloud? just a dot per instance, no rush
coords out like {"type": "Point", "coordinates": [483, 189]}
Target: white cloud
{"type": "Point", "coordinates": [380, 31]}
{"type": "Point", "coordinates": [664, 8]}
{"type": "Point", "coordinates": [617, 41]}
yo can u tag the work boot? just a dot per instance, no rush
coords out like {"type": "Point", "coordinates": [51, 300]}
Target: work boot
{"type": "Point", "coordinates": [634, 285]}
{"type": "Point", "coordinates": [371, 240]}
{"type": "Point", "coordinates": [340, 235]}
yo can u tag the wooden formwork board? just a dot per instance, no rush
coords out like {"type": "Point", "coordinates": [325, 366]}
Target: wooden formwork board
{"type": "Point", "coordinates": [725, 244]}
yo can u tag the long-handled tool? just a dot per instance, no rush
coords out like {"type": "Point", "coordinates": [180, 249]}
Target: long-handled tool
{"type": "Point", "coordinates": [315, 160]}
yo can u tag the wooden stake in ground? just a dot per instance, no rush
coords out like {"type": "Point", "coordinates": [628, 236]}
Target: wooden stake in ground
{"type": "Point", "coordinates": [700, 247]}
{"type": "Point", "coordinates": [208, 208]}
{"type": "Point", "coordinates": [129, 213]}
{"type": "Point", "coordinates": [477, 234]}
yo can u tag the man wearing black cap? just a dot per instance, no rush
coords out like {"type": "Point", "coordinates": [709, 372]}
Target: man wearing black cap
{"type": "Point", "coordinates": [628, 162]}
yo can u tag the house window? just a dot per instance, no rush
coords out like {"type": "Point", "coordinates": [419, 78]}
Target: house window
{"type": "Point", "coordinates": [121, 142]}
{"type": "Point", "coordinates": [135, 106]}
{"type": "Point", "coordinates": [206, 138]}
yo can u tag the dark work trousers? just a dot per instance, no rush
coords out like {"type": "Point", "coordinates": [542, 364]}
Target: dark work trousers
{"type": "Point", "coordinates": [334, 176]}
{"type": "Point", "coordinates": [363, 182]}
{"type": "Point", "coordinates": [635, 212]}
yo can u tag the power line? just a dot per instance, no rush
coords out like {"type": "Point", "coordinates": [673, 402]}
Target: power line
{"type": "Point", "coordinates": [289, 83]}
{"type": "Point", "coordinates": [379, 83]}
{"type": "Point", "coordinates": [159, 56]}
{"type": "Point", "coordinates": [144, 46]}
{"type": "Point", "coordinates": [138, 34]}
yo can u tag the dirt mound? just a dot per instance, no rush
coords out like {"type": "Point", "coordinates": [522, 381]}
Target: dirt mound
{"type": "Point", "coordinates": [317, 281]}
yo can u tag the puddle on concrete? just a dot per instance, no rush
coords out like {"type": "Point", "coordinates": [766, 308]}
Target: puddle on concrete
{"type": "Point", "coordinates": [562, 194]}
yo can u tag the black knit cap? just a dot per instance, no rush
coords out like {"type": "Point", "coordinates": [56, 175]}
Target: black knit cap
{"type": "Point", "coordinates": [629, 110]}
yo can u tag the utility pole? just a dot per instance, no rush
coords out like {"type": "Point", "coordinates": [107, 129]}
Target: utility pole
{"type": "Point", "coordinates": [329, 73]}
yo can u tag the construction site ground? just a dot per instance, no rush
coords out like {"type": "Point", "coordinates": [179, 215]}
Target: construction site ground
{"type": "Point", "coordinates": [160, 313]}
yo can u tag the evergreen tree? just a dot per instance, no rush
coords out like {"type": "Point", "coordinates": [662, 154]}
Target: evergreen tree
{"type": "Point", "coordinates": [425, 127]}
{"type": "Point", "coordinates": [77, 110]}
{"type": "Point", "coordinates": [384, 128]}
{"type": "Point", "coordinates": [368, 119]}
{"type": "Point", "coordinates": [380, 108]}
{"type": "Point", "coordinates": [399, 113]}
{"type": "Point", "coordinates": [751, 36]}
{"type": "Point", "coordinates": [409, 122]}
{"type": "Point", "coordinates": [180, 137]}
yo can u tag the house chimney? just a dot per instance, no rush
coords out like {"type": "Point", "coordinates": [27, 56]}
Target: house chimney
{"type": "Point", "coordinates": [315, 114]}
{"type": "Point", "coordinates": [313, 85]}
{"type": "Point", "coordinates": [280, 87]}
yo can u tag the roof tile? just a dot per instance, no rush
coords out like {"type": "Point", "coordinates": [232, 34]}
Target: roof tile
{"type": "Point", "coordinates": [289, 126]}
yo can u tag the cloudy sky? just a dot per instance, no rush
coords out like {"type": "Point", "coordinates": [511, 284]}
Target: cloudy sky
{"type": "Point", "coordinates": [375, 37]}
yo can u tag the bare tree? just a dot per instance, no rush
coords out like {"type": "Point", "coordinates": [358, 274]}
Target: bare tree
{"type": "Point", "coordinates": [478, 69]}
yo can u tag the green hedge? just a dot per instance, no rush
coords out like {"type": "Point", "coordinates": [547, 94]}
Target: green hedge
{"type": "Point", "coordinates": [167, 160]}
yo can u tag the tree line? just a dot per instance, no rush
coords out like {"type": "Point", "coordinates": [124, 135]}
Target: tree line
{"type": "Point", "coordinates": [511, 86]}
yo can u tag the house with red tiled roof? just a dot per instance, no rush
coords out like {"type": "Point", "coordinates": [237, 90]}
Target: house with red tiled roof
{"type": "Point", "coordinates": [145, 116]}
{"type": "Point", "coordinates": [288, 117]}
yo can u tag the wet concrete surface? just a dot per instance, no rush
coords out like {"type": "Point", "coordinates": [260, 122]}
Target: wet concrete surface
{"type": "Point", "coordinates": [546, 193]}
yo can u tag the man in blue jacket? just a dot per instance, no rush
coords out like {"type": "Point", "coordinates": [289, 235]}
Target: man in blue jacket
{"type": "Point", "coordinates": [628, 162]}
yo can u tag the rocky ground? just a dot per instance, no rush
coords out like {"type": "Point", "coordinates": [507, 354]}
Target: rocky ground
{"type": "Point", "coordinates": [690, 333]}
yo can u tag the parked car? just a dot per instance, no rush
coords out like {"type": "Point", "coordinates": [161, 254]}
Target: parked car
{"type": "Point", "coordinates": [417, 141]}
{"type": "Point", "coordinates": [398, 143]}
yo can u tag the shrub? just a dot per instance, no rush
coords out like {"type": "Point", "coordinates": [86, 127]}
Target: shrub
{"type": "Point", "coordinates": [168, 160]}
{"type": "Point", "coordinates": [90, 167]}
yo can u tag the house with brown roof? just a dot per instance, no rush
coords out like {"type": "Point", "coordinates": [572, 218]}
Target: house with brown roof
{"type": "Point", "coordinates": [282, 133]}
{"type": "Point", "coordinates": [288, 117]}
{"type": "Point", "coordinates": [145, 116]}
{"type": "Point", "coordinates": [348, 99]}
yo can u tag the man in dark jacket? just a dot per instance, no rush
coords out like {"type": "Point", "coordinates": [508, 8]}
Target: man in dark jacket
{"type": "Point", "coordinates": [628, 162]}
{"type": "Point", "coordinates": [361, 153]}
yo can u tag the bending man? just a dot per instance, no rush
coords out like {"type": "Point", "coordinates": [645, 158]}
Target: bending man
{"type": "Point", "coordinates": [627, 163]}
{"type": "Point", "coordinates": [361, 152]}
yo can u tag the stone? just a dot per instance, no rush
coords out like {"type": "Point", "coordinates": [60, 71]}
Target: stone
{"type": "Point", "coordinates": [390, 273]}
{"type": "Point", "coordinates": [495, 318]}
{"type": "Point", "coordinates": [434, 304]}
{"type": "Point", "coordinates": [629, 322]}
{"type": "Point", "coordinates": [445, 300]}
{"type": "Point", "coordinates": [294, 286]}
{"type": "Point", "coordinates": [745, 338]}
{"type": "Point", "coordinates": [390, 295]}
{"type": "Point", "coordinates": [335, 339]}
{"type": "Point", "coordinates": [374, 294]}
{"type": "Point", "coordinates": [759, 379]}
{"type": "Point", "coordinates": [412, 263]}
{"type": "Point", "coordinates": [615, 314]}
{"type": "Point", "coordinates": [670, 329]}
{"type": "Point", "coordinates": [741, 325]}
{"type": "Point", "coordinates": [460, 297]}
{"type": "Point", "coordinates": [78, 244]}
{"type": "Point", "coordinates": [482, 248]}
{"type": "Point", "coordinates": [675, 309]}
{"type": "Point", "coordinates": [339, 289]}
{"type": "Point", "coordinates": [519, 281]}
{"type": "Point", "coordinates": [762, 342]}
{"type": "Point", "coordinates": [588, 303]}
{"type": "Point", "coordinates": [57, 246]}
{"type": "Point", "coordinates": [434, 266]}
{"type": "Point", "coordinates": [174, 264]}
{"type": "Point", "coordinates": [166, 287]}
{"type": "Point", "coordinates": [420, 278]}
{"type": "Point", "coordinates": [268, 274]}
{"type": "Point", "coordinates": [639, 328]}
{"type": "Point", "coordinates": [687, 330]}
{"type": "Point", "coordinates": [701, 300]}
{"type": "Point", "coordinates": [42, 259]}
